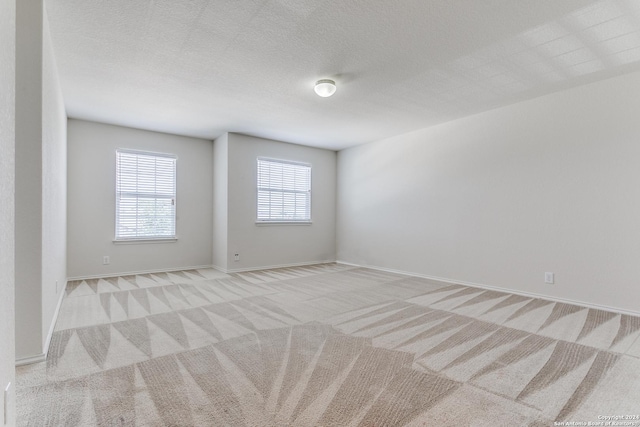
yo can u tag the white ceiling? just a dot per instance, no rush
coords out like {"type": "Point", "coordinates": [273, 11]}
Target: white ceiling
{"type": "Point", "coordinates": [204, 67]}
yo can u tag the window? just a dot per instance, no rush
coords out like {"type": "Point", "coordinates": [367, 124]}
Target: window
{"type": "Point", "coordinates": [145, 195]}
{"type": "Point", "coordinates": [284, 191]}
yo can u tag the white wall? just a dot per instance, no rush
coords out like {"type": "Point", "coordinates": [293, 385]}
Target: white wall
{"type": "Point", "coordinates": [54, 188]}
{"type": "Point", "coordinates": [552, 184]}
{"type": "Point", "coordinates": [7, 176]}
{"type": "Point", "coordinates": [277, 245]}
{"type": "Point", "coordinates": [220, 195]}
{"type": "Point", "coordinates": [40, 183]}
{"type": "Point", "coordinates": [91, 201]}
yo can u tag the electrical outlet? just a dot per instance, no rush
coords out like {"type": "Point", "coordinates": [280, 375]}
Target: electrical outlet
{"type": "Point", "coordinates": [106, 260]}
{"type": "Point", "coordinates": [236, 257]}
{"type": "Point", "coordinates": [548, 277]}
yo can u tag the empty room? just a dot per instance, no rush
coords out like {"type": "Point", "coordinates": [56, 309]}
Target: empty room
{"type": "Point", "coordinates": [319, 213]}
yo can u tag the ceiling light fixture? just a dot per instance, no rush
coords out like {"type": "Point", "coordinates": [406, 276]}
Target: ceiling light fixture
{"type": "Point", "coordinates": [325, 87]}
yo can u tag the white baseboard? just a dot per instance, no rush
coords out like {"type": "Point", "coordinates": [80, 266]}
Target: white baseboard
{"type": "Point", "coordinates": [52, 327]}
{"type": "Point", "coordinates": [31, 359]}
{"type": "Point", "coordinates": [497, 288]}
{"type": "Point", "coordinates": [131, 273]}
{"type": "Point", "coordinates": [42, 357]}
{"type": "Point", "coordinates": [220, 269]}
{"type": "Point", "coordinates": [271, 267]}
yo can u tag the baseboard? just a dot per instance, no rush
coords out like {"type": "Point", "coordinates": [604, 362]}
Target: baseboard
{"type": "Point", "coordinates": [220, 269]}
{"type": "Point", "coordinates": [54, 320]}
{"type": "Point", "coordinates": [43, 356]}
{"type": "Point", "coordinates": [271, 267]}
{"type": "Point", "coordinates": [30, 360]}
{"type": "Point", "coordinates": [497, 288]}
{"type": "Point", "coordinates": [131, 273]}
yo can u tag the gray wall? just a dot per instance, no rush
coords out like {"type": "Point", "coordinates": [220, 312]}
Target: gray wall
{"type": "Point", "coordinates": [29, 35]}
{"type": "Point", "coordinates": [7, 176]}
{"type": "Point", "coordinates": [91, 202]}
{"type": "Point", "coordinates": [40, 190]}
{"type": "Point", "coordinates": [499, 198]}
{"type": "Point", "coordinates": [216, 204]}
{"type": "Point", "coordinates": [220, 205]}
{"type": "Point", "coordinates": [276, 245]}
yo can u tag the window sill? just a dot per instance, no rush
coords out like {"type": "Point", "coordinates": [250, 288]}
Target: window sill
{"type": "Point", "coordinates": [270, 223]}
{"type": "Point", "coordinates": [144, 241]}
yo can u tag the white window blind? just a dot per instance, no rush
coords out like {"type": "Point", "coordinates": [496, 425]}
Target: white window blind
{"type": "Point", "coordinates": [284, 191]}
{"type": "Point", "coordinates": [145, 195]}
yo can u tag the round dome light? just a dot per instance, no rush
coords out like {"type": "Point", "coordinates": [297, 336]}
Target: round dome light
{"type": "Point", "coordinates": [325, 87]}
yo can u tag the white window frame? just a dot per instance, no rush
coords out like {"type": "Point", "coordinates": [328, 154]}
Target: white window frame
{"type": "Point", "coordinates": [282, 220]}
{"type": "Point", "coordinates": [138, 238]}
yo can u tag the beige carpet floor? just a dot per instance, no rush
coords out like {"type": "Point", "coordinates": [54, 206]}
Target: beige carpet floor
{"type": "Point", "coordinates": [327, 345]}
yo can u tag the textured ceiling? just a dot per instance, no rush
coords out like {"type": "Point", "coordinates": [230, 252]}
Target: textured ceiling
{"type": "Point", "coordinates": [205, 67]}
